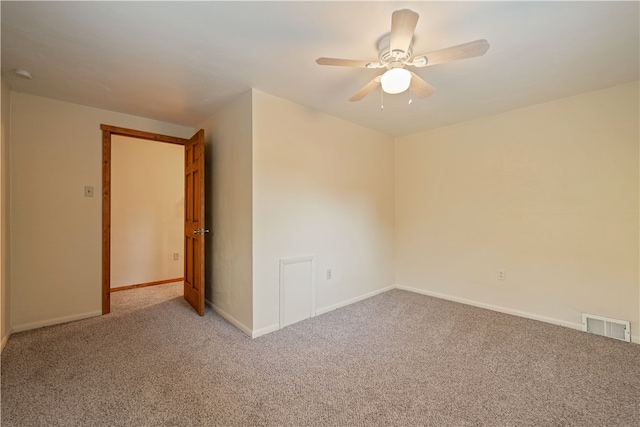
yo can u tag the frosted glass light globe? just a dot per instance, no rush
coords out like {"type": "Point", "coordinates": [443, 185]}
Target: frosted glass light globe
{"type": "Point", "coordinates": [396, 80]}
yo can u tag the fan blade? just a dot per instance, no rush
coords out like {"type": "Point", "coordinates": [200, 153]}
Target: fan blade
{"type": "Point", "coordinates": [453, 53]}
{"type": "Point", "coordinates": [365, 90]}
{"type": "Point", "coordinates": [403, 24]}
{"type": "Point", "coordinates": [348, 63]}
{"type": "Point", "coordinates": [420, 87]}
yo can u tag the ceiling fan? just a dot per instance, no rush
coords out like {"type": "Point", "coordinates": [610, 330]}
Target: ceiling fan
{"type": "Point", "coordinates": [395, 54]}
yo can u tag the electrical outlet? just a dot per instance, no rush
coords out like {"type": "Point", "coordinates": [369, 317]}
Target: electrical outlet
{"type": "Point", "coordinates": [176, 256]}
{"type": "Point", "coordinates": [502, 275]}
{"type": "Point", "coordinates": [329, 274]}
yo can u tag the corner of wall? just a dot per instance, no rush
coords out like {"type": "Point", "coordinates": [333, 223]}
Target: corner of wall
{"type": "Point", "coordinates": [228, 150]}
{"type": "Point", "coordinates": [5, 293]}
{"type": "Point", "coordinates": [395, 210]}
{"type": "Point", "coordinates": [229, 318]}
{"type": "Point", "coordinates": [322, 186]}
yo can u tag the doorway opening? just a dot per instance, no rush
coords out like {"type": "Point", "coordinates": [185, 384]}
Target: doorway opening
{"type": "Point", "coordinates": [192, 217]}
{"type": "Point", "coordinates": [147, 213]}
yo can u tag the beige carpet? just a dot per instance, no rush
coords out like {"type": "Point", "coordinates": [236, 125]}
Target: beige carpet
{"type": "Point", "coordinates": [397, 359]}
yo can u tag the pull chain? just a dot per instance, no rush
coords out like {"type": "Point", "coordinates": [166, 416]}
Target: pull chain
{"type": "Point", "coordinates": [410, 100]}
{"type": "Point", "coordinates": [381, 98]}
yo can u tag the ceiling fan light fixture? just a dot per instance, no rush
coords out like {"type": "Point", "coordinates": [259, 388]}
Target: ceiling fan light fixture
{"type": "Point", "coordinates": [396, 80]}
{"type": "Point", "coordinates": [395, 53]}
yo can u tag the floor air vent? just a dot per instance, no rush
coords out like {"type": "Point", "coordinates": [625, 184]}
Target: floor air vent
{"type": "Point", "coordinates": [612, 328]}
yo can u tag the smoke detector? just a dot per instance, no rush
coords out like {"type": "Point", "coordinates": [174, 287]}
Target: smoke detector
{"type": "Point", "coordinates": [23, 74]}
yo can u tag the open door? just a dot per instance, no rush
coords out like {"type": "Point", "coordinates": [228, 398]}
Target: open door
{"type": "Point", "coordinates": [194, 230]}
{"type": "Point", "coordinates": [107, 132]}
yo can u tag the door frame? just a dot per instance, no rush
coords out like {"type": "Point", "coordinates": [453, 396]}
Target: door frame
{"type": "Point", "coordinates": [107, 131]}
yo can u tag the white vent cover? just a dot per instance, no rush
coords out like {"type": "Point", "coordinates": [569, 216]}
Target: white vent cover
{"type": "Point", "coordinates": [607, 327]}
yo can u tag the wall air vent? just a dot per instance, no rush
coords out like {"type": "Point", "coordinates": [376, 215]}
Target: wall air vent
{"type": "Point", "coordinates": [607, 327]}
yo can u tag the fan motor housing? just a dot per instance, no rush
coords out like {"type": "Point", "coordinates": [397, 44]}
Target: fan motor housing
{"type": "Point", "coordinates": [386, 56]}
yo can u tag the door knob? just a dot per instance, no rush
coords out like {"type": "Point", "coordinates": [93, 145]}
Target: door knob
{"type": "Point", "coordinates": [200, 231]}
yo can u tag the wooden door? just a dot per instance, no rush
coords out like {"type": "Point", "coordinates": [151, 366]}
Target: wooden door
{"type": "Point", "coordinates": [194, 227]}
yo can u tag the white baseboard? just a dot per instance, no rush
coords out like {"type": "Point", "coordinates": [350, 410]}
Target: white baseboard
{"type": "Point", "coordinates": [578, 326]}
{"type": "Point", "coordinates": [57, 321]}
{"type": "Point", "coordinates": [272, 328]}
{"type": "Point", "coordinates": [263, 331]}
{"type": "Point", "coordinates": [353, 300]}
{"type": "Point", "coordinates": [229, 318]}
{"type": "Point", "coordinates": [4, 341]}
{"type": "Point", "coordinates": [492, 307]}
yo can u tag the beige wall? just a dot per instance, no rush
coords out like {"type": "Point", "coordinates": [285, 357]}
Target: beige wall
{"type": "Point", "coordinates": [229, 273]}
{"type": "Point", "coordinates": [5, 294]}
{"type": "Point", "coordinates": [548, 193]}
{"type": "Point", "coordinates": [323, 187]}
{"type": "Point", "coordinates": [147, 211]}
{"type": "Point", "coordinates": [55, 151]}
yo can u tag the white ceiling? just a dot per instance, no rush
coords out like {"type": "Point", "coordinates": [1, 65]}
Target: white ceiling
{"type": "Point", "coordinates": [181, 61]}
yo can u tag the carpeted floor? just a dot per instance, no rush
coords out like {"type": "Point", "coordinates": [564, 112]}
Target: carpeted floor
{"type": "Point", "coordinates": [397, 359]}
